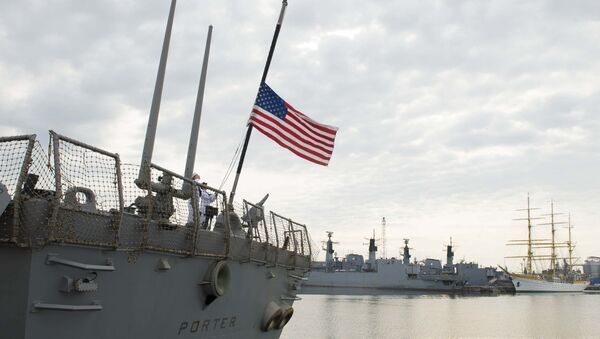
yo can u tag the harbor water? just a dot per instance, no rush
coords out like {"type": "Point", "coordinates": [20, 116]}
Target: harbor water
{"type": "Point", "coordinates": [363, 314]}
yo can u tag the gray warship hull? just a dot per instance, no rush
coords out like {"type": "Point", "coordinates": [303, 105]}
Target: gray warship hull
{"type": "Point", "coordinates": [430, 275]}
{"type": "Point", "coordinates": [134, 301]}
{"type": "Point", "coordinates": [79, 261]}
{"type": "Point", "coordinates": [388, 276]}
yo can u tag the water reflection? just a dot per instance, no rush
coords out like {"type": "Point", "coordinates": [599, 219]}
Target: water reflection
{"type": "Point", "coordinates": [374, 292]}
{"type": "Point", "coordinates": [329, 316]}
{"type": "Point", "coordinates": [385, 314]}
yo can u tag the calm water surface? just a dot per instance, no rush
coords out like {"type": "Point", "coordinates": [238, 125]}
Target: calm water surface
{"type": "Point", "coordinates": [443, 316]}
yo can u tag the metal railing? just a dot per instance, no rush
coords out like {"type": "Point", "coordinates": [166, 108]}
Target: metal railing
{"type": "Point", "coordinates": [92, 199]}
{"type": "Point", "coordinates": [87, 180]}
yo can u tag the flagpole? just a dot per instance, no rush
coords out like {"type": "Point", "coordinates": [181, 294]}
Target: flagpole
{"type": "Point", "coordinates": [264, 78]}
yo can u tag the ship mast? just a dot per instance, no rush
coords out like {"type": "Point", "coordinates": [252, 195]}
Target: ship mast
{"type": "Point", "coordinates": [553, 246]}
{"type": "Point", "coordinates": [529, 242]}
{"type": "Point", "coordinates": [383, 237]}
{"type": "Point", "coordinates": [450, 256]}
{"type": "Point", "coordinates": [529, 250]}
{"type": "Point", "coordinates": [329, 252]}
{"type": "Point", "coordinates": [143, 180]}
{"type": "Point", "coordinates": [543, 243]}
{"type": "Point", "coordinates": [570, 244]}
{"type": "Point", "coordinates": [262, 80]}
{"type": "Point", "coordinates": [553, 259]}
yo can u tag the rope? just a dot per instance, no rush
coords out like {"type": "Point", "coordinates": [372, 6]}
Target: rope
{"type": "Point", "coordinates": [232, 163]}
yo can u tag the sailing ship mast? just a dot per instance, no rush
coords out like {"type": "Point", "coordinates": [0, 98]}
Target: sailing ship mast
{"type": "Point", "coordinates": [569, 243]}
{"type": "Point", "coordinates": [553, 244]}
{"type": "Point", "coordinates": [529, 249]}
{"type": "Point", "coordinates": [529, 242]}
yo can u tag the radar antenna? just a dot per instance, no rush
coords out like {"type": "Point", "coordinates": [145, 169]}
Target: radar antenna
{"type": "Point", "coordinates": [405, 252]}
{"type": "Point", "coordinates": [324, 243]}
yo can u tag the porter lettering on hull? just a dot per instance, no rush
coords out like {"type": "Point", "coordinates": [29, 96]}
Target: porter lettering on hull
{"type": "Point", "coordinates": [206, 325]}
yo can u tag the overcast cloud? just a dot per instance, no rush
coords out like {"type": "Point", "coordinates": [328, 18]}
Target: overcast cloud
{"type": "Point", "coordinates": [449, 112]}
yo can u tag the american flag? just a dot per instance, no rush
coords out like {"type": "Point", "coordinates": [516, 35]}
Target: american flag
{"type": "Point", "coordinates": [291, 129]}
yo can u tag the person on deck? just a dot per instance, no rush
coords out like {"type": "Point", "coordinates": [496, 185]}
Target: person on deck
{"type": "Point", "coordinates": [204, 199]}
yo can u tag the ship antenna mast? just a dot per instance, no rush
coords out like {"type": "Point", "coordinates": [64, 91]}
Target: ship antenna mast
{"type": "Point", "coordinates": [144, 175]}
{"type": "Point", "coordinates": [191, 156]}
{"type": "Point", "coordinates": [383, 236]}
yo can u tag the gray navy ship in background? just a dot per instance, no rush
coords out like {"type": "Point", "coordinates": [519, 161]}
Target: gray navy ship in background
{"type": "Point", "coordinates": [391, 273]}
{"type": "Point", "coordinates": [92, 248]}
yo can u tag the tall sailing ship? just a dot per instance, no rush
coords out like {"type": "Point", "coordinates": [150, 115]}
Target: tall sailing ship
{"type": "Point", "coordinates": [554, 278]}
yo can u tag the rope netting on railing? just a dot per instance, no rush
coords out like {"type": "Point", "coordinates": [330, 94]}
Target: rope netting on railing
{"type": "Point", "coordinates": [12, 157]}
{"type": "Point", "coordinates": [302, 241]}
{"type": "Point", "coordinates": [253, 216]}
{"type": "Point", "coordinates": [98, 203]}
{"type": "Point", "coordinates": [40, 184]}
{"type": "Point", "coordinates": [292, 236]}
{"type": "Point", "coordinates": [89, 211]}
{"type": "Point", "coordinates": [273, 229]}
{"type": "Point", "coordinates": [40, 181]}
{"type": "Point", "coordinates": [88, 178]}
{"type": "Point", "coordinates": [28, 159]}
{"type": "Point", "coordinates": [131, 235]}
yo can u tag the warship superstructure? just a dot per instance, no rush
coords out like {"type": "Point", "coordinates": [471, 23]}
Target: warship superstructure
{"type": "Point", "coordinates": [391, 273]}
{"type": "Point", "coordinates": [92, 248]}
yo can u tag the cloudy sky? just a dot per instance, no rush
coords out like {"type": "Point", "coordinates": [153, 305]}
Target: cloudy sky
{"type": "Point", "coordinates": [449, 112]}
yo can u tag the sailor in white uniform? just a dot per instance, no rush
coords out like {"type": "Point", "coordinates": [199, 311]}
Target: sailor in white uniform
{"type": "Point", "coordinates": [204, 198]}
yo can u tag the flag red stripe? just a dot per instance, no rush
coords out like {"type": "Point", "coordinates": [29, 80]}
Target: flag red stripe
{"type": "Point", "coordinates": [324, 128]}
{"type": "Point", "coordinates": [294, 132]}
{"type": "Point", "coordinates": [293, 118]}
{"type": "Point", "coordinates": [291, 123]}
{"type": "Point", "coordinates": [284, 145]}
{"type": "Point", "coordinates": [288, 140]}
{"type": "Point", "coordinates": [257, 121]}
{"type": "Point", "coordinates": [302, 122]}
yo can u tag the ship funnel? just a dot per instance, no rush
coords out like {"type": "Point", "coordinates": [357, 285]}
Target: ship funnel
{"type": "Point", "coordinates": [449, 254]}
{"type": "Point", "coordinates": [144, 175]}
{"type": "Point", "coordinates": [191, 155]}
